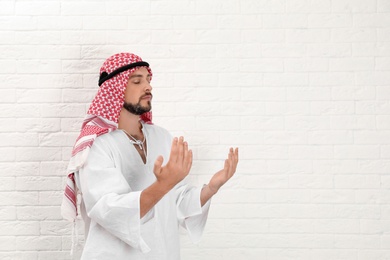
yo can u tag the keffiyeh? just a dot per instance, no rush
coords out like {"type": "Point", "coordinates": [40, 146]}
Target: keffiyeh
{"type": "Point", "coordinates": [102, 117]}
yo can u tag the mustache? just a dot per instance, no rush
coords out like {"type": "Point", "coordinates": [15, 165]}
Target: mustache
{"type": "Point", "coordinates": [147, 95]}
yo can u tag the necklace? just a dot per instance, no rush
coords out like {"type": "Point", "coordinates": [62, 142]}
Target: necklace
{"type": "Point", "coordinates": [133, 140]}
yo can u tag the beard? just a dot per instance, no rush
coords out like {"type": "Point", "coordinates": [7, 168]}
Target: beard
{"type": "Point", "coordinates": [137, 109]}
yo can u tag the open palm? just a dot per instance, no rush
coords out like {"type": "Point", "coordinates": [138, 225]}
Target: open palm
{"type": "Point", "coordinates": [222, 176]}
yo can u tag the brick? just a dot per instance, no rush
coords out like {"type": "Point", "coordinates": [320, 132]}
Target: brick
{"type": "Point", "coordinates": [37, 125]}
{"type": "Point", "coordinates": [7, 243]}
{"type": "Point", "coordinates": [326, 196]}
{"type": "Point", "coordinates": [369, 196]}
{"type": "Point", "coordinates": [37, 183]}
{"type": "Point", "coordinates": [372, 137]}
{"type": "Point", "coordinates": [193, 22]}
{"type": "Point", "coordinates": [307, 123]}
{"type": "Point", "coordinates": [7, 183]}
{"type": "Point", "coordinates": [332, 79]}
{"type": "Point", "coordinates": [39, 213]}
{"type": "Point", "coordinates": [97, 23]}
{"type": "Point", "coordinates": [7, 37]}
{"type": "Point", "coordinates": [39, 96]}
{"type": "Point", "coordinates": [284, 21]}
{"type": "Point", "coordinates": [90, 8]}
{"type": "Point", "coordinates": [263, 36]}
{"type": "Point", "coordinates": [370, 49]}
{"type": "Point", "coordinates": [353, 35]}
{"type": "Point", "coordinates": [311, 152]}
{"type": "Point", "coordinates": [356, 151]}
{"type": "Point", "coordinates": [282, 50]}
{"type": "Point", "coordinates": [357, 211]}
{"type": "Point", "coordinates": [8, 66]}
{"type": "Point", "coordinates": [371, 20]}
{"type": "Point", "coordinates": [18, 198]}
{"type": "Point", "coordinates": [383, 6]}
{"type": "Point", "coordinates": [385, 151]}
{"type": "Point", "coordinates": [306, 64]}
{"type": "Point", "coordinates": [357, 241]}
{"type": "Point", "coordinates": [38, 66]}
{"type": "Point", "coordinates": [330, 137]}
{"type": "Point", "coordinates": [57, 139]}
{"type": "Point", "coordinates": [62, 110]}
{"type": "Point", "coordinates": [262, 6]}
{"type": "Point", "coordinates": [37, 8]}
{"type": "Point", "coordinates": [50, 197]}
{"type": "Point", "coordinates": [311, 181]}
{"type": "Point", "coordinates": [308, 35]}
{"type": "Point", "coordinates": [277, 196]}
{"type": "Point", "coordinates": [353, 93]}
{"type": "Point", "coordinates": [352, 64]}
{"type": "Point", "coordinates": [308, 6]}
{"type": "Point", "coordinates": [7, 213]}
{"type": "Point", "coordinates": [19, 228]}
{"type": "Point", "coordinates": [332, 108]}
{"type": "Point", "coordinates": [353, 6]}
{"type": "Point", "coordinates": [28, 243]}
{"type": "Point", "coordinates": [238, 21]}
{"type": "Point", "coordinates": [357, 182]}
{"type": "Point", "coordinates": [169, 37]}
{"type": "Point", "coordinates": [18, 23]}
{"type": "Point", "coordinates": [218, 7]}
{"type": "Point", "coordinates": [8, 8]}
{"type": "Point", "coordinates": [330, 20]}
{"type": "Point", "coordinates": [274, 79]}
{"type": "Point", "coordinates": [12, 169]}
{"type": "Point", "coordinates": [40, 37]}
{"type": "Point", "coordinates": [283, 137]}
{"type": "Point", "coordinates": [127, 8]}
{"type": "Point", "coordinates": [331, 49]}
{"type": "Point", "coordinates": [59, 22]}
{"type": "Point", "coordinates": [262, 122]}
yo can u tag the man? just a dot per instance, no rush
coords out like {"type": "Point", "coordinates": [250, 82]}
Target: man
{"type": "Point", "coordinates": [131, 174]}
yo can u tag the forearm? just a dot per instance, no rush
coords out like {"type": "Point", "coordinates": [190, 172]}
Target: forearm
{"type": "Point", "coordinates": [206, 194]}
{"type": "Point", "coordinates": [151, 195]}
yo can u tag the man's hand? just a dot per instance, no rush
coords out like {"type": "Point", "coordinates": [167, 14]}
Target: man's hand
{"type": "Point", "coordinates": [178, 166]}
{"type": "Point", "coordinates": [220, 177]}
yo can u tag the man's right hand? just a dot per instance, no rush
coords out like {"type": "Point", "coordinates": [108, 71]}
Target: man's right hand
{"type": "Point", "coordinates": [178, 166]}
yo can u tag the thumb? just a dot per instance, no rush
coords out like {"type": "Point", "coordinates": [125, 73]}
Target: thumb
{"type": "Point", "coordinates": [157, 164]}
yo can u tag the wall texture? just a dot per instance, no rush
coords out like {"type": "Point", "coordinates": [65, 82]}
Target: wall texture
{"type": "Point", "coordinates": [301, 86]}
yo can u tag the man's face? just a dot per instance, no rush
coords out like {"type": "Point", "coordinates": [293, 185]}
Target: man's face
{"type": "Point", "coordinates": [138, 96]}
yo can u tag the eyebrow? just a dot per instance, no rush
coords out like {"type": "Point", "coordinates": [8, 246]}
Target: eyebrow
{"type": "Point", "coordinates": [138, 76]}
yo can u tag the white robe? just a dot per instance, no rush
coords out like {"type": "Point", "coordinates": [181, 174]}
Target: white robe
{"type": "Point", "coordinates": [111, 182]}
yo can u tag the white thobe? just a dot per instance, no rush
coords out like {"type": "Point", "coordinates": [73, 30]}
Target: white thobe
{"type": "Point", "coordinates": [111, 182]}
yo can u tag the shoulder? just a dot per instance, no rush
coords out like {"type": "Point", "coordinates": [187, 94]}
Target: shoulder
{"type": "Point", "coordinates": [105, 141]}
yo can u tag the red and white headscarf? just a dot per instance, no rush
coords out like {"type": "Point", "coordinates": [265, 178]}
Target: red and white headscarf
{"type": "Point", "coordinates": [102, 117]}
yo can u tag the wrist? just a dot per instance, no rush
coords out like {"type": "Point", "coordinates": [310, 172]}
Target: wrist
{"type": "Point", "coordinates": [164, 186]}
{"type": "Point", "coordinates": [210, 190]}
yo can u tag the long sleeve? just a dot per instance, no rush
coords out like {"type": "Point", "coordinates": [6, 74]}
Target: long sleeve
{"type": "Point", "coordinates": [191, 215]}
{"type": "Point", "coordinates": [109, 200]}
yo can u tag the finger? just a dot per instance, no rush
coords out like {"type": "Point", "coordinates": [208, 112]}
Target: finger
{"type": "Point", "coordinates": [230, 155]}
{"type": "Point", "coordinates": [226, 166]}
{"type": "Point", "coordinates": [185, 154]}
{"type": "Point", "coordinates": [174, 150]}
{"type": "Point", "coordinates": [180, 154]}
{"type": "Point", "coordinates": [235, 156]}
{"type": "Point", "coordinates": [157, 164]}
{"type": "Point", "coordinates": [189, 161]}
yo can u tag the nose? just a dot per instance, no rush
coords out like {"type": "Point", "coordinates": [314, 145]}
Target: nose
{"type": "Point", "coordinates": [148, 87]}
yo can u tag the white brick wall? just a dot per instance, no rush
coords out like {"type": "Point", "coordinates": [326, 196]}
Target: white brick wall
{"type": "Point", "coordinates": [301, 86]}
